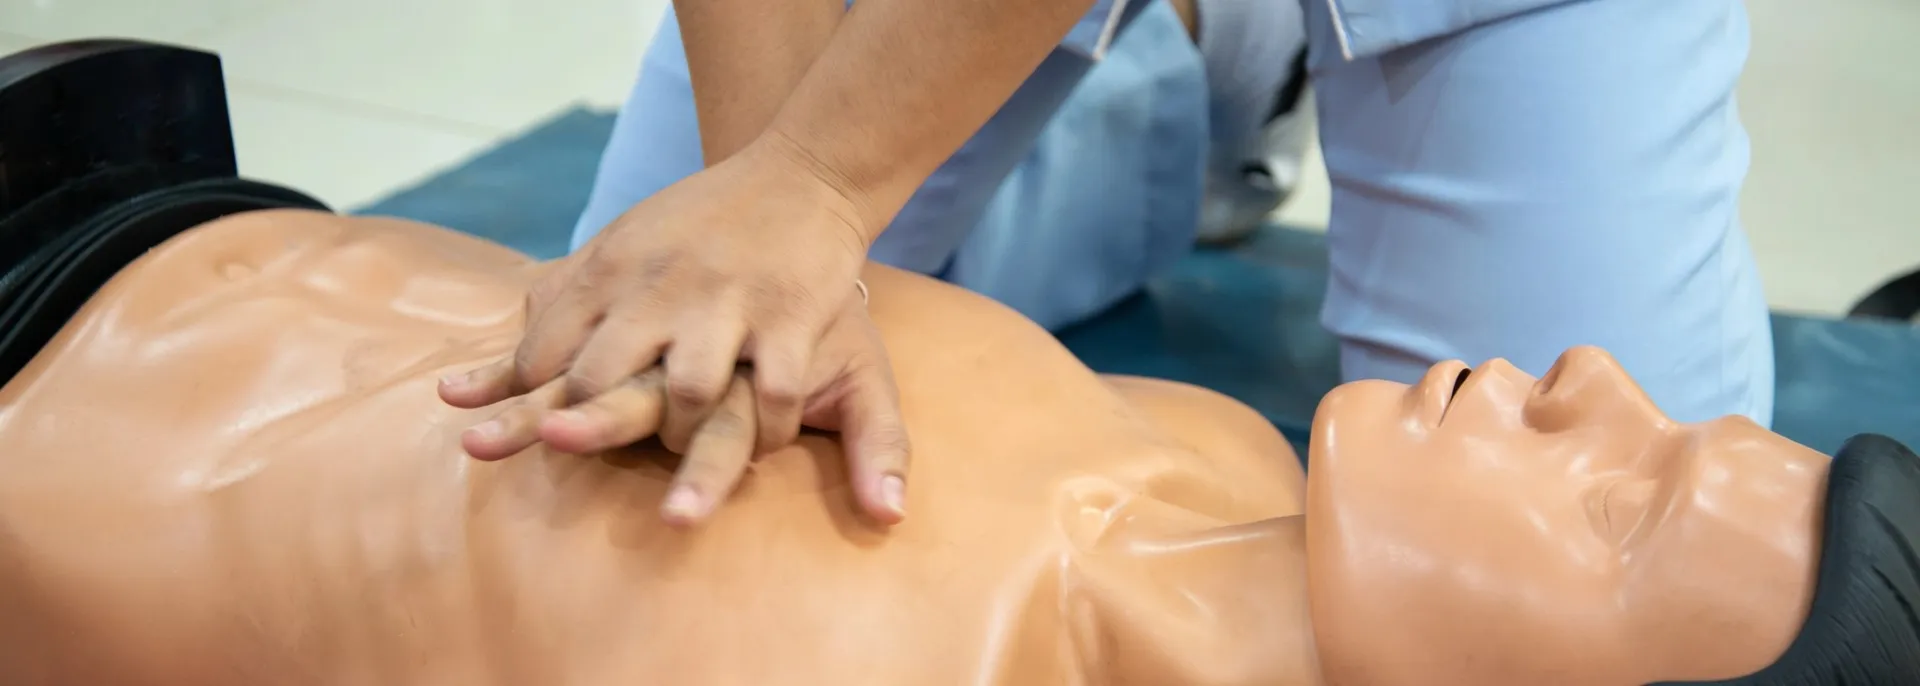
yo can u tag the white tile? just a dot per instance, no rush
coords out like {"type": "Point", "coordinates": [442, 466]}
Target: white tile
{"type": "Point", "coordinates": [1832, 103]}
{"type": "Point", "coordinates": [180, 21]}
{"type": "Point", "coordinates": [345, 158]}
{"type": "Point", "coordinates": [489, 63]}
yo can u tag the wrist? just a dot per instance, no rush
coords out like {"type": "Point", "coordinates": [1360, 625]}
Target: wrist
{"type": "Point", "coordinates": [839, 190]}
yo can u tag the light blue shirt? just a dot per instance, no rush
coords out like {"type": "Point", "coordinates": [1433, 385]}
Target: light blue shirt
{"type": "Point", "coordinates": [1511, 178]}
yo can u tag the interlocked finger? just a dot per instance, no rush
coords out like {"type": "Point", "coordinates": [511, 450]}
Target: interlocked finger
{"type": "Point", "coordinates": [780, 364]}
{"type": "Point", "coordinates": [628, 343]}
{"type": "Point", "coordinates": [700, 368]}
{"type": "Point", "coordinates": [628, 413]}
{"type": "Point", "coordinates": [481, 387]}
{"type": "Point", "coordinates": [516, 428]}
{"type": "Point", "coordinates": [717, 456]}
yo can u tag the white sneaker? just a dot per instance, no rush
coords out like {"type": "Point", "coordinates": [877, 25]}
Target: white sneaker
{"type": "Point", "coordinates": [1245, 185]}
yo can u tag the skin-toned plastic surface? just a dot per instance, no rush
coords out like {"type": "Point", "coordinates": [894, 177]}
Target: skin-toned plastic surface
{"type": "Point", "coordinates": [231, 468]}
{"type": "Point", "coordinates": [1498, 529]}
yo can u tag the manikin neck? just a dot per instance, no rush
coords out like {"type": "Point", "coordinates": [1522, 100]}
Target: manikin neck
{"type": "Point", "coordinates": [1227, 605]}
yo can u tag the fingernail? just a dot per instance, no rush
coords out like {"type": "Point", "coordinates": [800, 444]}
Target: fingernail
{"type": "Point", "coordinates": [488, 430]}
{"type": "Point", "coordinates": [454, 380]}
{"type": "Point", "coordinates": [568, 416]}
{"type": "Point", "coordinates": [893, 490]}
{"type": "Point", "coordinates": [682, 503]}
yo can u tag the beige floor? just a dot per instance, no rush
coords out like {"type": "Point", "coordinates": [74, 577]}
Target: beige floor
{"type": "Point", "coordinates": [349, 99]}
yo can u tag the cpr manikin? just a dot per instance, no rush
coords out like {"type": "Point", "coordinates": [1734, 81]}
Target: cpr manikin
{"type": "Point", "coordinates": [231, 468]}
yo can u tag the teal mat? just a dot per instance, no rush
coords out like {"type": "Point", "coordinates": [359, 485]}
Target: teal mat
{"type": "Point", "coordinates": [1241, 321]}
{"type": "Point", "coordinates": [525, 192]}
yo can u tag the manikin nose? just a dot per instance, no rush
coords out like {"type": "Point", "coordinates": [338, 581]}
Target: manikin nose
{"type": "Point", "coordinates": [1586, 383]}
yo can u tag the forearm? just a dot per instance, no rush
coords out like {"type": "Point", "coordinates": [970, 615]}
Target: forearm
{"type": "Point", "coordinates": [904, 83]}
{"type": "Point", "coordinates": [745, 57]}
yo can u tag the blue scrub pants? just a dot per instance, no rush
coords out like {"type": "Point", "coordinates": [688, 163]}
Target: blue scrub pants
{"type": "Point", "coordinates": [1511, 178]}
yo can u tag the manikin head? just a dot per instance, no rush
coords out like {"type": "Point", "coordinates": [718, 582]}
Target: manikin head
{"type": "Point", "coordinates": [1586, 537]}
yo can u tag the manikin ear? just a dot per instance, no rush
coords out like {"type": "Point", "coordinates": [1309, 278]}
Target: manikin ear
{"type": "Point", "coordinates": [1861, 628]}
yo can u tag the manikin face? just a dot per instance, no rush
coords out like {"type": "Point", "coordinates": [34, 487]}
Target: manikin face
{"type": "Point", "coordinates": [1498, 529]}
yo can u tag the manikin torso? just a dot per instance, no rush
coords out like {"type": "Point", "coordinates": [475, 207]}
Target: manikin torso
{"type": "Point", "coordinates": [232, 468]}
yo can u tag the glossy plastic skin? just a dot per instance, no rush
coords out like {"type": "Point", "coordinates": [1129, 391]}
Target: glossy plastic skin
{"type": "Point", "coordinates": [1553, 531]}
{"type": "Point", "coordinates": [231, 468]}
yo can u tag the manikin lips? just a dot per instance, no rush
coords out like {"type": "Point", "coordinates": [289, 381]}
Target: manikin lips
{"type": "Point", "coordinates": [1458, 381]}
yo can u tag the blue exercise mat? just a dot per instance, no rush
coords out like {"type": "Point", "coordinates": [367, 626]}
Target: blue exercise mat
{"type": "Point", "coordinates": [1242, 321]}
{"type": "Point", "coordinates": [523, 193]}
